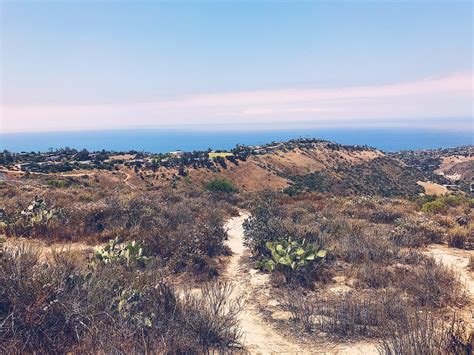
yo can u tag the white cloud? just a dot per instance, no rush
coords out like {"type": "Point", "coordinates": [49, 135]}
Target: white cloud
{"type": "Point", "coordinates": [410, 103]}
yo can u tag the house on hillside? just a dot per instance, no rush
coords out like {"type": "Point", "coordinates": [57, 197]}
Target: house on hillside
{"type": "Point", "coordinates": [23, 166]}
{"type": "Point", "coordinates": [177, 154]}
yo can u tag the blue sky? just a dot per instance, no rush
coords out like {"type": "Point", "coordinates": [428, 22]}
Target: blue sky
{"type": "Point", "coordinates": [71, 65]}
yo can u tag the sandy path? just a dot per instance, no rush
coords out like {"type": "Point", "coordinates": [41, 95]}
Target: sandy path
{"type": "Point", "coordinates": [127, 180]}
{"type": "Point", "coordinates": [259, 337]}
{"type": "Point", "coordinates": [458, 260]}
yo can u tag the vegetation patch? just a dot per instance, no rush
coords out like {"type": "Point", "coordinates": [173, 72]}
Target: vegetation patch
{"type": "Point", "coordinates": [67, 307]}
{"type": "Point", "coordinates": [221, 185]}
{"type": "Point", "coordinates": [380, 176]}
{"type": "Point", "coordinates": [220, 154]}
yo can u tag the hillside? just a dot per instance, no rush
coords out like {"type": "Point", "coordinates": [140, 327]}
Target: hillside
{"type": "Point", "coordinates": [451, 167]}
{"type": "Point", "coordinates": [323, 167]}
{"type": "Point", "coordinates": [293, 166]}
{"type": "Point", "coordinates": [457, 168]}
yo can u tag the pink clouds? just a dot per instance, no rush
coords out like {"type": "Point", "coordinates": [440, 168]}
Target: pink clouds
{"type": "Point", "coordinates": [377, 105]}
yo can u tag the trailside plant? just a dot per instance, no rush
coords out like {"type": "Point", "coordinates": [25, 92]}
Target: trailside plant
{"type": "Point", "coordinates": [34, 219]}
{"type": "Point", "coordinates": [129, 306]}
{"type": "Point", "coordinates": [129, 254]}
{"type": "Point", "coordinates": [289, 257]}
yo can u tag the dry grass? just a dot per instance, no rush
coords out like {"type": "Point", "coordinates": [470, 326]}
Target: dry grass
{"type": "Point", "coordinates": [182, 228]}
{"type": "Point", "coordinates": [68, 307]}
{"type": "Point", "coordinates": [460, 237]}
{"type": "Point", "coordinates": [373, 245]}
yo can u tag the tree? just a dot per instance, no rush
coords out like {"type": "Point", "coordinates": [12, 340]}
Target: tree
{"type": "Point", "coordinates": [82, 155]}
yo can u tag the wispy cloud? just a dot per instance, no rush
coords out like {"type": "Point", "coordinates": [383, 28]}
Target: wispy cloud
{"type": "Point", "coordinates": [410, 103]}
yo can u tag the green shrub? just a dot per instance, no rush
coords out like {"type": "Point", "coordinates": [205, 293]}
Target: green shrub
{"type": "Point", "coordinates": [58, 183]}
{"type": "Point", "coordinates": [436, 206]}
{"type": "Point", "coordinates": [221, 185]}
{"type": "Point", "coordinates": [453, 200]}
{"type": "Point", "coordinates": [413, 231]}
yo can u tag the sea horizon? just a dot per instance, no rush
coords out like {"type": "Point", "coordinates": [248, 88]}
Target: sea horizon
{"type": "Point", "coordinates": [165, 140]}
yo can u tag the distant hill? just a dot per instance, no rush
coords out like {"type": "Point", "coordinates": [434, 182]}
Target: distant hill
{"type": "Point", "coordinates": [298, 166]}
{"type": "Point", "coordinates": [293, 166]}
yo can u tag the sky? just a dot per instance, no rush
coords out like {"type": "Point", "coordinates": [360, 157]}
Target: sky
{"type": "Point", "coordinates": [235, 65]}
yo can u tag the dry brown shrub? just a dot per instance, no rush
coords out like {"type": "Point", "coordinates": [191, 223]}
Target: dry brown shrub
{"type": "Point", "coordinates": [460, 237]}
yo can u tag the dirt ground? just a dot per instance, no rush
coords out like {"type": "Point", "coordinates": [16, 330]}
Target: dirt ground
{"type": "Point", "coordinates": [432, 188]}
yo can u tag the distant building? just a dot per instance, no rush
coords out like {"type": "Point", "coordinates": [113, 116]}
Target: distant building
{"type": "Point", "coordinates": [23, 166]}
{"type": "Point", "coordinates": [177, 154]}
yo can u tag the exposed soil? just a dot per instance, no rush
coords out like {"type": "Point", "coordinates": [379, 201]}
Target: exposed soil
{"type": "Point", "coordinates": [457, 167]}
{"type": "Point", "coordinates": [258, 336]}
{"type": "Point", "coordinates": [127, 180]}
{"type": "Point", "coordinates": [432, 188]}
{"type": "Point", "coordinates": [458, 260]}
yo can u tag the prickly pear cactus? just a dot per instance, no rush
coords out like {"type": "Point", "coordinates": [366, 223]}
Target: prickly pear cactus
{"type": "Point", "coordinates": [129, 254]}
{"type": "Point", "coordinates": [290, 256]}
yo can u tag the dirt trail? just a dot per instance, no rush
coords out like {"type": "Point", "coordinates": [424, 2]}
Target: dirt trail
{"type": "Point", "coordinates": [259, 337]}
{"type": "Point", "coordinates": [457, 260]}
{"type": "Point", "coordinates": [127, 180]}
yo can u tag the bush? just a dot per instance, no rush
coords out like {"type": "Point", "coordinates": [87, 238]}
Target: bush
{"type": "Point", "coordinates": [350, 315]}
{"type": "Point", "coordinates": [221, 185]}
{"type": "Point", "coordinates": [431, 284]}
{"type": "Point", "coordinates": [374, 276]}
{"type": "Point", "coordinates": [359, 246]}
{"type": "Point", "coordinates": [453, 200]}
{"type": "Point", "coordinates": [425, 335]}
{"type": "Point", "coordinates": [183, 229]}
{"type": "Point", "coordinates": [212, 316]}
{"type": "Point", "coordinates": [302, 309]}
{"type": "Point", "coordinates": [30, 222]}
{"type": "Point", "coordinates": [58, 183]}
{"type": "Point", "coordinates": [384, 216]}
{"type": "Point", "coordinates": [413, 231]}
{"type": "Point", "coordinates": [458, 237]}
{"type": "Point", "coordinates": [264, 225]}
{"type": "Point", "coordinates": [436, 206]}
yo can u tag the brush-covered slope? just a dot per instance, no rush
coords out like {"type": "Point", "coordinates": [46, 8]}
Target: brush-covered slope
{"type": "Point", "coordinates": [310, 165]}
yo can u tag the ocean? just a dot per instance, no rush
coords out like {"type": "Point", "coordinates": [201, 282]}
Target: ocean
{"type": "Point", "coordinates": [159, 141]}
